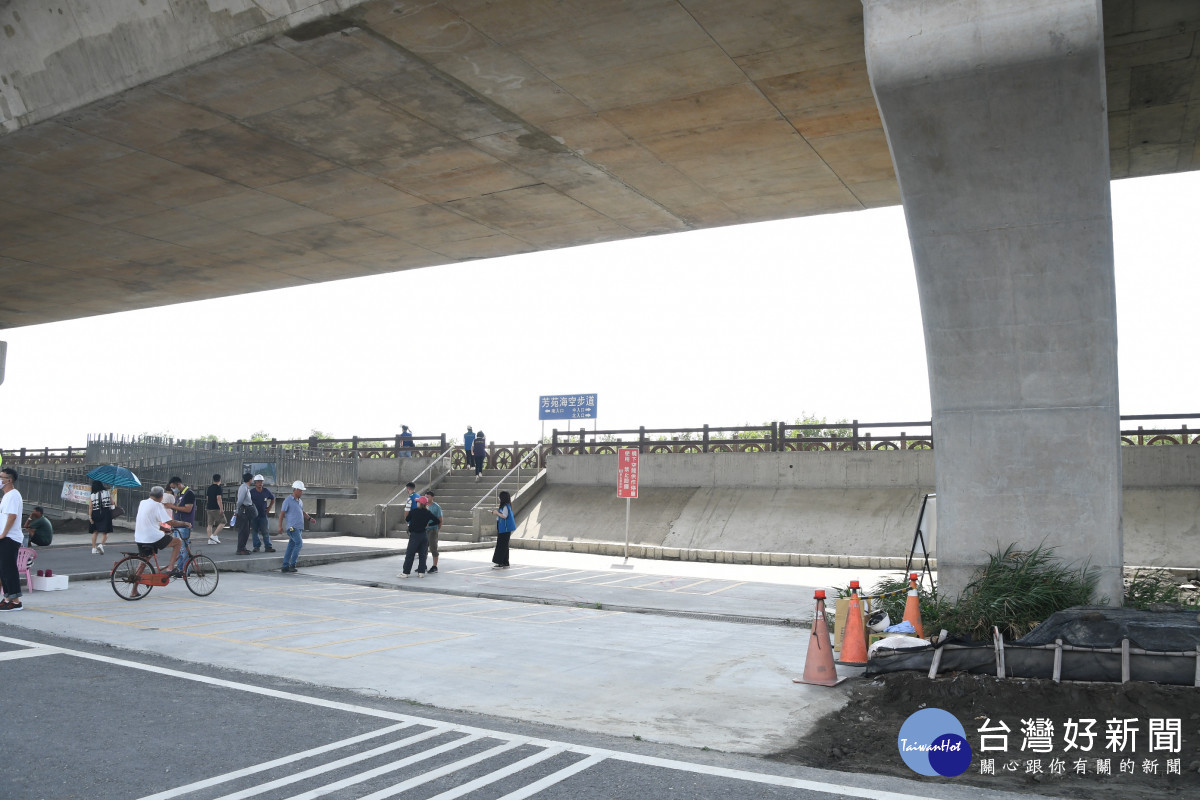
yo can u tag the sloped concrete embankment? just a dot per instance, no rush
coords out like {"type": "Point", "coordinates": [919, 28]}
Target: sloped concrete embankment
{"type": "Point", "coordinates": [670, 522]}
{"type": "Point", "coordinates": [753, 507]}
{"type": "Point", "coordinates": [843, 506]}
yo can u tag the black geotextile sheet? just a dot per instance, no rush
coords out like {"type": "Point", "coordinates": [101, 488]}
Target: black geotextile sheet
{"type": "Point", "coordinates": [1102, 626]}
{"type": "Point", "coordinates": [1085, 626]}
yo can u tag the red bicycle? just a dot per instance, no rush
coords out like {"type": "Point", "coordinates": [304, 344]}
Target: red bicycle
{"type": "Point", "coordinates": [135, 575]}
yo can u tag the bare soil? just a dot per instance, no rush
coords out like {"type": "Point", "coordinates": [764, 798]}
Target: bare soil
{"type": "Point", "coordinates": [862, 737]}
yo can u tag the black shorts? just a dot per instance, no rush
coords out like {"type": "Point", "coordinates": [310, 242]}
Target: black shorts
{"type": "Point", "coordinates": [153, 547]}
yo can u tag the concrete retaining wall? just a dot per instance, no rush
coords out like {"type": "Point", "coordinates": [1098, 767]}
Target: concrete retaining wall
{"type": "Point", "coordinates": [842, 503]}
{"type": "Point", "coordinates": [876, 469]}
{"type": "Point", "coordinates": [391, 470]}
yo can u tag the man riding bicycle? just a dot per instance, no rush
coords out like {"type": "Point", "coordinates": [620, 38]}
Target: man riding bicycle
{"type": "Point", "coordinates": [151, 529]}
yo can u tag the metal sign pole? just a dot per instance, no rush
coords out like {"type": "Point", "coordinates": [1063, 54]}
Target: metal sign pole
{"type": "Point", "coordinates": [628, 503]}
{"type": "Point", "coordinates": [627, 487]}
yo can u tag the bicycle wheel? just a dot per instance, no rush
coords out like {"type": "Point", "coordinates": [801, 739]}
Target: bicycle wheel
{"type": "Point", "coordinates": [201, 575]}
{"type": "Point", "coordinates": [124, 578]}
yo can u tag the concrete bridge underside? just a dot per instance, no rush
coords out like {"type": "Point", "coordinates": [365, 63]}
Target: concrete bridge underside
{"type": "Point", "coordinates": [222, 147]}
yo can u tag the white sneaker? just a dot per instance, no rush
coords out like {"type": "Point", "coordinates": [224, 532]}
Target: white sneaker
{"type": "Point", "coordinates": [95, 551]}
{"type": "Point", "coordinates": [100, 547]}
{"type": "Point", "coordinates": [401, 574]}
{"type": "Point", "coordinates": [420, 574]}
{"type": "Point", "coordinates": [213, 540]}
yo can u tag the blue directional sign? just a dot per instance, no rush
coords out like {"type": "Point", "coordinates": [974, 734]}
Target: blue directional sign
{"type": "Point", "coordinates": [567, 406]}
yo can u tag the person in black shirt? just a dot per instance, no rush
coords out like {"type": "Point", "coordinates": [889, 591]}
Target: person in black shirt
{"type": "Point", "coordinates": [215, 510]}
{"type": "Point", "coordinates": [418, 540]}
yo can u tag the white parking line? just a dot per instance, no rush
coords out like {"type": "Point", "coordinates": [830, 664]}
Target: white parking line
{"type": "Point", "coordinates": [14, 654]}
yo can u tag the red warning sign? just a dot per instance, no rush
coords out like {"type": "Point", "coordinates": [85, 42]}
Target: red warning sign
{"type": "Point", "coordinates": [627, 472]}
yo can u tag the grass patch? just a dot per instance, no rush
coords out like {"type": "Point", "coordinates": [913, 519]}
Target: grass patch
{"type": "Point", "coordinates": [1015, 591]}
{"type": "Point", "coordinates": [1150, 588]}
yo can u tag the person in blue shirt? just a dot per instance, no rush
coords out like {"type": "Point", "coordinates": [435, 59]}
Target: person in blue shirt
{"type": "Point", "coordinates": [406, 442]}
{"type": "Point", "coordinates": [263, 499]}
{"type": "Point", "coordinates": [468, 440]}
{"type": "Point", "coordinates": [506, 523]}
{"type": "Point", "coordinates": [410, 505]}
{"type": "Point", "coordinates": [292, 516]}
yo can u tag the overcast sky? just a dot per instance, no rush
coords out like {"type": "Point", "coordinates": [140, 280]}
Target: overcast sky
{"type": "Point", "coordinates": [746, 324]}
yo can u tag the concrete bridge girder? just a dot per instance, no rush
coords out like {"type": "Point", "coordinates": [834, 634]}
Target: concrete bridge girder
{"type": "Point", "coordinates": [221, 148]}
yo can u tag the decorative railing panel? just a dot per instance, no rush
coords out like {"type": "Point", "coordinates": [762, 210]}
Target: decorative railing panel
{"type": "Point", "coordinates": [226, 457]}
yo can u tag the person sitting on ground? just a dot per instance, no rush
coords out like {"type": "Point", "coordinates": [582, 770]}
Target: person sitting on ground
{"type": "Point", "coordinates": [151, 526]}
{"type": "Point", "coordinates": [38, 529]}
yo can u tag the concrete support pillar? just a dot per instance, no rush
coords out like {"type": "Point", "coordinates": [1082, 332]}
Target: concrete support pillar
{"type": "Point", "coordinates": [995, 115]}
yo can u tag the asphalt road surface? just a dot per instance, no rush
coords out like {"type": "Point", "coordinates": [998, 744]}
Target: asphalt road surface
{"type": "Point", "coordinates": [94, 722]}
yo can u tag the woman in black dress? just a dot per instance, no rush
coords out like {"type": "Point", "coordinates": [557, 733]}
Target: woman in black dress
{"type": "Point", "coordinates": [506, 523]}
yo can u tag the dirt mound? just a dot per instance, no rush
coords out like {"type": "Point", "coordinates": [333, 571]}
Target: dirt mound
{"type": "Point", "coordinates": [862, 737]}
{"type": "Point", "coordinates": [69, 525]}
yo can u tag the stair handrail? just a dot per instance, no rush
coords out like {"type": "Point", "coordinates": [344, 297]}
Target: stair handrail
{"type": "Point", "coordinates": [443, 457]}
{"type": "Point", "coordinates": [535, 452]}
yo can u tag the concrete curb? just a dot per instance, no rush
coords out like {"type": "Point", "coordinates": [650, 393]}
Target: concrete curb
{"type": "Point", "coordinates": [716, 556]}
{"type": "Point", "coordinates": [427, 588]}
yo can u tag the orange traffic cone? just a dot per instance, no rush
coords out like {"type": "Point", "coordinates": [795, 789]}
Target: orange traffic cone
{"type": "Point", "coordinates": [912, 606]}
{"type": "Point", "coordinates": [854, 643]}
{"type": "Point", "coordinates": [818, 664]}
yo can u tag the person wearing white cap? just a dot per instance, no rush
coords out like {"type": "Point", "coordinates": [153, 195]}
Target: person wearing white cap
{"type": "Point", "coordinates": [292, 516]}
{"type": "Point", "coordinates": [263, 499]}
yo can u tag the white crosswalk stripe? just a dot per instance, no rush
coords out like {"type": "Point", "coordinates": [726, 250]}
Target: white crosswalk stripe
{"type": "Point", "coordinates": [499, 774]}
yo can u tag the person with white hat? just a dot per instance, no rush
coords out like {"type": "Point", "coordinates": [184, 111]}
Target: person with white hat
{"type": "Point", "coordinates": [292, 516]}
{"type": "Point", "coordinates": [263, 499]}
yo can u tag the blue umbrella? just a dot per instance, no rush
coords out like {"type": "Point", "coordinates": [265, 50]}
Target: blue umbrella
{"type": "Point", "coordinates": [114, 476]}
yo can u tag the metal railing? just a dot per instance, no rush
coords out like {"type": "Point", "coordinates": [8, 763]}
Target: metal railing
{"type": "Point", "coordinates": [440, 465]}
{"type": "Point", "coordinates": [196, 463]}
{"type": "Point", "coordinates": [531, 462]}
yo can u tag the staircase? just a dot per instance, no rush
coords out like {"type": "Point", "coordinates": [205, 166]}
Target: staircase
{"type": "Point", "coordinates": [457, 494]}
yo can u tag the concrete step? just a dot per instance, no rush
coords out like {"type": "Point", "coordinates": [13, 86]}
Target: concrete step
{"type": "Point", "coordinates": [446, 536]}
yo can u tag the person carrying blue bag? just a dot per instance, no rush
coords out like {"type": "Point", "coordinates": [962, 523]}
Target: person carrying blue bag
{"type": "Point", "coordinates": [506, 523]}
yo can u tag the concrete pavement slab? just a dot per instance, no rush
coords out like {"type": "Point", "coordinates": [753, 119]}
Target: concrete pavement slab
{"type": "Point", "coordinates": [748, 593]}
{"type": "Point", "coordinates": [697, 682]}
